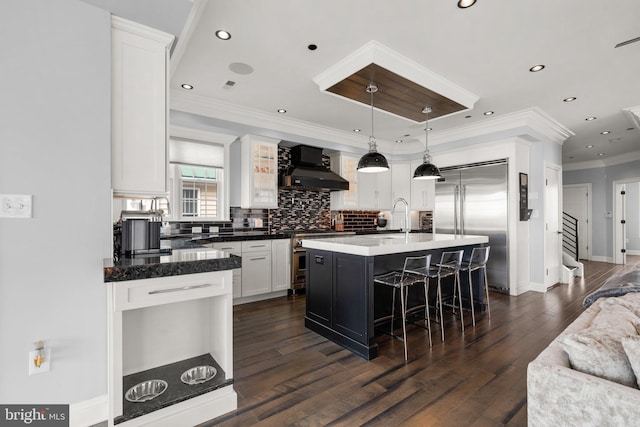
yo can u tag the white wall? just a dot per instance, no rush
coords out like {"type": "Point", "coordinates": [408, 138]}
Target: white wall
{"type": "Point", "coordinates": [602, 201]}
{"type": "Point", "coordinates": [55, 144]}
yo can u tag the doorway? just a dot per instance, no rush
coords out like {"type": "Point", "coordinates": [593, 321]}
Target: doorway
{"type": "Point", "coordinates": [552, 224]}
{"type": "Point", "coordinates": [626, 236]}
{"type": "Point", "coordinates": [576, 201]}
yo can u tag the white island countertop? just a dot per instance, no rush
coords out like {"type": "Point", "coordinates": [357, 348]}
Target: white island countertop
{"type": "Point", "coordinates": [391, 243]}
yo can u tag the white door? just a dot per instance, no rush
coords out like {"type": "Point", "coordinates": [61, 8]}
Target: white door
{"type": "Point", "coordinates": [553, 226]}
{"type": "Point", "coordinates": [619, 227]}
{"type": "Point", "coordinates": [575, 202]}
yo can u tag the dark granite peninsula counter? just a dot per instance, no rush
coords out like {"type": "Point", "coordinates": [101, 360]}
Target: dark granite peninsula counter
{"type": "Point", "coordinates": [178, 262]}
{"type": "Point", "coordinates": [342, 302]}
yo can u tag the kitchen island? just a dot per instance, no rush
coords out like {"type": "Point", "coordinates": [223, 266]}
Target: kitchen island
{"type": "Point", "coordinates": [341, 302]}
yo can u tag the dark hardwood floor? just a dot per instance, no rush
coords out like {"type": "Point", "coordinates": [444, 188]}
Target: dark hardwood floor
{"type": "Point", "coordinates": [288, 375]}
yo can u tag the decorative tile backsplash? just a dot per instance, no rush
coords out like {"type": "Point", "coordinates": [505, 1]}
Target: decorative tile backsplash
{"type": "Point", "coordinates": [357, 220]}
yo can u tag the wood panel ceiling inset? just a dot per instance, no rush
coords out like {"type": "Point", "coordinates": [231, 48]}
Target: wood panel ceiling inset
{"type": "Point", "coordinates": [395, 94]}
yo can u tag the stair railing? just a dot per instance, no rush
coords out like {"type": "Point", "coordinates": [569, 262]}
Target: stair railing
{"type": "Point", "coordinates": [570, 235]}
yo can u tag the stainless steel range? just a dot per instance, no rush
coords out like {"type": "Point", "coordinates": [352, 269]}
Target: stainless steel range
{"type": "Point", "coordinates": [299, 256]}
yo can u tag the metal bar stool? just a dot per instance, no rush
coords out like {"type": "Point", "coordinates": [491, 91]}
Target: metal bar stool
{"type": "Point", "coordinates": [449, 266]}
{"type": "Point", "coordinates": [478, 261]}
{"type": "Point", "coordinates": [415, 270]}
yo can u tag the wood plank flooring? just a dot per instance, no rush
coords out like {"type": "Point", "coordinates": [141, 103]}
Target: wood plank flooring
{"type": "Point", "coordinates": [287, 375]}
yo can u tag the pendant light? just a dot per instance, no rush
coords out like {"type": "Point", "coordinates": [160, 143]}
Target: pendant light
{"type": "Point", "coordinates": [426, 170]}
{"type": "Point", "coordinates": [372, 161]}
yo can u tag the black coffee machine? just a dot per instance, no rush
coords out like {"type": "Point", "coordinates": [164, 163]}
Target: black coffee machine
{"type": "Point", "coordinates": [139, 233]}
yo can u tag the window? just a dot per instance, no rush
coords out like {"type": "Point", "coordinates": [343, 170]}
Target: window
{"type": "Point", "coordinates": [199, 191]}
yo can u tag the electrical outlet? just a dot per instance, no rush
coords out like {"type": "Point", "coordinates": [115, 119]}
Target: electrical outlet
{"type": "Point", "coordinates": [45, 366]}
{"type": "Point", "coordinates": [15, 205]}
{"type": "Point", "coordinates": [213, 229]}
{"type": "Point", "coordinates": [196, 230]}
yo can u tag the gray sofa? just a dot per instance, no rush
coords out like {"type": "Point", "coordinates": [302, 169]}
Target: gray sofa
{"type": "Point", "coordinates": [558, 395]}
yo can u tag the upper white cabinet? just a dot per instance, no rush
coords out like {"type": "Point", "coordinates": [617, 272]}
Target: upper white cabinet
{"type": "Point", "coordinates": [345, 165]}
{"type": "Point", "coordinates": [374, 190]}
{"type": "Point", "coordinates": [140, 64]}
{"type": "Point", "coordinates": [423, 192]}
{"type": "Point", "coordinates": [401, 174]}
{"type": "Point", "coordinates": [259, 177]}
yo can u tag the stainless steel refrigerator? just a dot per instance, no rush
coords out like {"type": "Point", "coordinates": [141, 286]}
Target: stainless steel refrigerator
{"type": "Point", "coordinates": [472, 199]}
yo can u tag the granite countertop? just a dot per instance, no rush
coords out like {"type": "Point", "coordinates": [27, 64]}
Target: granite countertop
{"type": "Point", "coordinates": [180, 261]}
{"type": "Point", "coordinates": [390, 243]}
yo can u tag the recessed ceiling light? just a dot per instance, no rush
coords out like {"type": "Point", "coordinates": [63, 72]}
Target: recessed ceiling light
{"type": "Point", "coordinates": [605, 132]}
{"type": "Point", "coordinates": [312, 46]}
{"type": "Point", "coordinates": [186, 86]}
{"type": "Point", "coordinates": [536, 68]}
{"type": "Point", "coordinates": [467, 117]}
{"type": "Point", "coordinates": [429, 129]}
{"type": "Point", "coordinates": [590, 118]}
{"type": "Point", "coordinates": [600, 154]}
{"type": "Point", "coordinates": [281, 110]}
{"type": "Point", "coordinates": [488, 113]}
{"type": "Point", "coordinates": [398, 140]}
{"type": "Point", "coordinates": [223, 35]}
{"type": "Point", "coordinates": [463, 4]}
{"type": "Point", "coordinates": [589, 146]}
{"type": "Point", "coordinates": [357, 130]}
{"type": "Point", "coordinates": [570, 99]}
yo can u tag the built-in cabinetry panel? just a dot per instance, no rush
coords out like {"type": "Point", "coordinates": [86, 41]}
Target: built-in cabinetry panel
{"type": "Point", "coordinates": [234, 248]}
{"type": "Point", "coordinates": [423, 192]}
{"type": "Point", "coordinates": [374, 190]}
{"type": "Point", "coordinates": [345, 165]}
{"type": "Point", "coordinates": [140, 60]}
{"type": "Point", "coordinates": [266, 266]}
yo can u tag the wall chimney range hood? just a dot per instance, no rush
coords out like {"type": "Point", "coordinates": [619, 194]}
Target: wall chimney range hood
{"type": "Point", "coordinates": [307, 172]}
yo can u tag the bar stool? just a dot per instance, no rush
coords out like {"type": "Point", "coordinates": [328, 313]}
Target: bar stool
{"type": "Point", "coordinates": [478, 261]}
{"type": "Point", "coordinates": [449, 266]}
{"type": "Point", "coordinates": [414, 271]}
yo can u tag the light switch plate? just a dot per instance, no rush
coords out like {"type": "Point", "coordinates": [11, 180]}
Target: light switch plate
{"type": "Point", "coordinates": [15, 205]}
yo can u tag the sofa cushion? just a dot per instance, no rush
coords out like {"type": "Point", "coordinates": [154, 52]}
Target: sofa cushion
{"type": "Point", "coordinates": [598, 350]}
{"type": "Point", "coordinates": [631, 347]}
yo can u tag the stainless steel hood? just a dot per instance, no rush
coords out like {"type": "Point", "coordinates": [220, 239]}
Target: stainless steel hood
{"type": "Point", "coordinates": [307, 172]}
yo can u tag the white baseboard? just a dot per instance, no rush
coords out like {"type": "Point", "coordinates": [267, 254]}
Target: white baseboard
{"type": "Point", "coordinates": [602, 259]}
{"type": "Point", "coordinates": [261, 297]}
{"type": "Point", "coordinates": [89, 412]}
{"type": "Point", "coordinates": [537, 287]}
{"type": "Point", "coordinates": [632, 252]}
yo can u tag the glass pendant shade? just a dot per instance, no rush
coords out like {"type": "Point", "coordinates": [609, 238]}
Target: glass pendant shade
{"type": "Point", "coordinates": [373, 161]}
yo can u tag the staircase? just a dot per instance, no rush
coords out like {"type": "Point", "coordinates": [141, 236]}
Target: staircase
{"type": "Point", "coordinates": [571, 266]}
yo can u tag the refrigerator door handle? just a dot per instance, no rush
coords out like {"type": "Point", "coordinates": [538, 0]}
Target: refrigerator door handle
{"type": "Point", "coordinates": [456, 191]}
{"type": "Point", "coordinates": [463, 201]}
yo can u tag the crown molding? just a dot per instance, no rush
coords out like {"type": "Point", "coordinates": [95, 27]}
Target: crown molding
{"type": "Point", "coordinates": [377, 53]}
{"type": "Point", "coordinates": [196, 12]}
{"type": "Point", "coordinates": [634, 114]}
{"type": "Point", "coordinates": [196, 104]}
{"type": "Point", "coordinates": [611, 161]}
{"type": "Point", "coordinates": [142, 30]}
{"type": "Point", "coordinates": [176, 131]}
{"type": "Point", "coordinates": [532, 122]}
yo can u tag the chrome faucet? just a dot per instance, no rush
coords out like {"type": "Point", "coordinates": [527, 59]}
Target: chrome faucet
{"type": "Point", "coordinates": [407, 227]}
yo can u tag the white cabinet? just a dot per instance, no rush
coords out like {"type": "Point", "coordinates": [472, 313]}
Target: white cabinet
{"type": "Point", "coordinates": [423, 192]}
{"type": "Point", "coordinates": [345, 165]}
{"type": "Point", "coordinates": [234, 248]}
{"type": "Point", "coordinates": [140, 60]}
{"type": "Point", "coordinates": [256, 267]}
{"type": "Point", "coordinates": [401, 174]}
{"type": "Point", "coordinates": [259, 175]}
{"type": "Point", "coordinates": [374, 190]}
{"type": "Point", "coordinates": [280, 264]}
